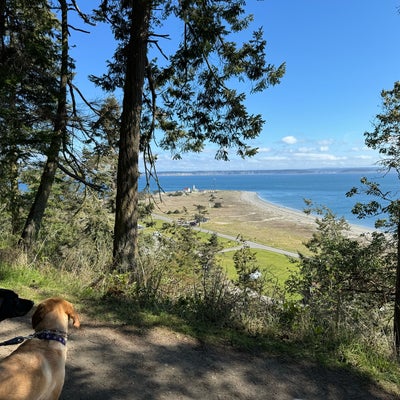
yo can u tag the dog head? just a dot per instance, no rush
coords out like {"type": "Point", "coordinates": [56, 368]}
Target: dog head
{"type": "Point", "coordinates": [54, 313]}
{"type": "Point", "coordinates": [13, 306]}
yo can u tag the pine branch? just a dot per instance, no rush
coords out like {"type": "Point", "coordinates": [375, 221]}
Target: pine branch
{"type": "Point", "coordinates": [81, 179]}
{"type": "Point", "coordinates": [87, 102]}
{"type": "Point", "coordinates": [85, 18]}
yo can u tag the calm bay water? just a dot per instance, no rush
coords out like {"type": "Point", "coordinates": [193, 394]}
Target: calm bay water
{"type": "Point", "coordinates": [288, 188]}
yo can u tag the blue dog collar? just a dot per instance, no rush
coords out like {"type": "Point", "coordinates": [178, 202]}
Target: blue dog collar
{"type": "Point", "coordinates": [58, 336]}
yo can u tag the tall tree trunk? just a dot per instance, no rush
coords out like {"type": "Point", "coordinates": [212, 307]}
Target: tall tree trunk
{"type": "Point", "coordinates": [126, 217]}
{"type": "Point", "coordinates": [13, 170]}
{"type": "Point", "coordinates": [396, 323]}
{"type": "Point", "coordinates": [36, 213]}
{"type": "Point", "coordinates": [14, 192]}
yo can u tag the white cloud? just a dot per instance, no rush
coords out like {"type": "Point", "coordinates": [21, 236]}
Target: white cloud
{"type": "Point", "coordinates": [264, 150]}
{"type": "Point", "coordinates": [319, 157]}
{"type": "Point", "coordinates": [284, 152]}
{"type": "Point", "coordinates": [305, 149]}
{"type": "Point", "coordinates": [275, 158]}
{"type": "Point", "coordinates": [363, 148]}
{"type": "Point", "coordinates": [289, 140]}
{"type": "Point", "coordinates": [364, 157]}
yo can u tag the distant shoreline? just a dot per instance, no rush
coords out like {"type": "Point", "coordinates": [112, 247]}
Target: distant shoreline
{"type": "Point", "coordinates": [344, 170]}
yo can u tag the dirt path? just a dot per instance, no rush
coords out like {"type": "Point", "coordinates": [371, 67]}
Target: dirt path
{"type": "Point", "coordinates": [121, 363]}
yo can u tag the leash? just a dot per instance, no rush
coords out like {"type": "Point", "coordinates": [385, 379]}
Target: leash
{"type": "Point", "coordinates": [58, 336]}
{"type": "Point", "coordinates": [16, 340]}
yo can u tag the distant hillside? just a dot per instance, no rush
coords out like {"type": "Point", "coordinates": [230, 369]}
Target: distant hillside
{"type": "Point", "coordinates": [273, 171]}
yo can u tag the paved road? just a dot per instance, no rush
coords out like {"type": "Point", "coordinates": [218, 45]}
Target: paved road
{"type": "Point", "coordinates": [252, 245]}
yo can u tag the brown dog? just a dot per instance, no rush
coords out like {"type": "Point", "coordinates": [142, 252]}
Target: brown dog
{"type": "Point", "coordinates": [36, 369]}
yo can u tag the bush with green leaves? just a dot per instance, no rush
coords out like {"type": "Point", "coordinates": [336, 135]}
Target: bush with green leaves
{"type": "Point", "coordinates": [247, 268]}
{"type": "Point", "coordinates": [344, 280]}
{"type": "Point", "coordinates": [194, 276]}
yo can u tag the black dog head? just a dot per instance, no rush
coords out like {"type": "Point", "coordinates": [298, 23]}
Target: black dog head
{"type": "Point", "coordinates": [12, 306]}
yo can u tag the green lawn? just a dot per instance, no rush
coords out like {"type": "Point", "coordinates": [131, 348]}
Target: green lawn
{"type": "Point", "coordinates": [277, 265]}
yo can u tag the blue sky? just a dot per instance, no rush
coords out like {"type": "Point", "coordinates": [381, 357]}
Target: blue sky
{"type": "Point", "coordinates": [339, 55]}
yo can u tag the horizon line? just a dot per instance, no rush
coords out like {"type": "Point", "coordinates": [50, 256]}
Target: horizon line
{"type": "Point", "coordinates": [261, 171]}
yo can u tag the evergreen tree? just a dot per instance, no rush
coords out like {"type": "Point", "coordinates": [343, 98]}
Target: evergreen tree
{"type": "Point", "coordinates": [100, 155]}
{"type": "Point", "coordinates": [28, 63]}
{"type": "Point", "coordinates": [186, 95]}
{"type": "Point", "coordinates": [386, 139]}
{"type": "Point", "coordinates": [38, 207]}
{"type": "Point", "coordinates": [60, 137]}
{"type": "Point", "coordinates": [341, 277]}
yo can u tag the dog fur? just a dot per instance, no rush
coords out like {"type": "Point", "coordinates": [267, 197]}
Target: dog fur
{"type": "Point", "coordinates": [36, 369]}
{"type": "Point", "coordinates": [11, 305]}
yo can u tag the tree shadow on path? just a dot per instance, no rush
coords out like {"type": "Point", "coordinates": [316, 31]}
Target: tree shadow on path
{"type": "Point", "coordinates": [119, 364]}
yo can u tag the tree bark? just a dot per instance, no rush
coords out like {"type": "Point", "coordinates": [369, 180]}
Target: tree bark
{"type": "Point", "coordinates": [34, 220]}
{"type": "Point", "coordinates": [125, 249]}
{"type": "Point", "coordinates": [12, 159]}
{"type": "Point", "coordinates": [396, 323]}
{"type": "Point", "coordinates": [14, 192]}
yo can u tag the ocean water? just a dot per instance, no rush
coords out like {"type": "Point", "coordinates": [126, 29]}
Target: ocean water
{"type": "Point", "coordinates": [288, 188]}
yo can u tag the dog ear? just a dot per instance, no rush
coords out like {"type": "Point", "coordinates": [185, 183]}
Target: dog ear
{"type": "Point", "coordinates": [70, 311]}
{"type": "Point", "coordinates": [47, 306]}
{"type": "Point", "coordinates": [39, 314]}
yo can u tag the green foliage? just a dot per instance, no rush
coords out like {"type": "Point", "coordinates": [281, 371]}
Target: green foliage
{"type": "Point", "coordinates": [76, 232]}
{"type": "Point", "coordinates": [213, 300]}
{"type": "Point", "coordinates": [276, 265]}
{"type": "Point", "coordinates": [201, 212]}
{"type": "Point", "coordinates": [195, 104]}
{"type": "Point", "coordinates": [344, 279]}
{"type": "Point", "coordinates": [386, 139]}
{"type": "Point", "coordinates": [186, 97]}
{"type": "Point", "coordinates": [180, 284]}
{"type": "Point", "coordinates": [247, 268]}
{"type": "Point", "coordinates": [346, 285]}
{"type": "Point", "coordinates": [28, 90]}
{"type": "Point", "coordinates": [384, 205]}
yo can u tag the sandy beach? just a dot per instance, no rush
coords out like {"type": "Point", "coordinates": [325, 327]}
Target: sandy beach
{"type": "Point", "coordinates": [290, 214]}
{"type": "Point", "coordinates": [244, 213]}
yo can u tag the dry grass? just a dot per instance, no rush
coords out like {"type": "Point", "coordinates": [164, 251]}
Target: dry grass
{"type": "Point", "coordinates": [241, 213]}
